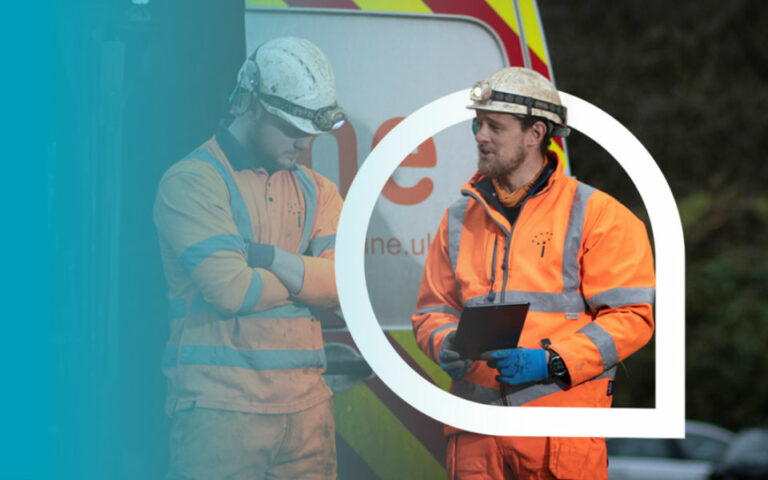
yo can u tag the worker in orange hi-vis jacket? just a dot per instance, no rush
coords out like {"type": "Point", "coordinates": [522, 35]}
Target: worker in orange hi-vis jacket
{"type": "Point", "coordinates": [247, 242]}
{"type": "Point", "coordinates": [524, 232]}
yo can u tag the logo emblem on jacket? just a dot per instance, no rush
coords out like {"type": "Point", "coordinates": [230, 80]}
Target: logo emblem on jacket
{"type": "Point", "coordinates": [542, 239]}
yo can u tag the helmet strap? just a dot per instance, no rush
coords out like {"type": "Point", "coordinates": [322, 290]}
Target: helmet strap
{"type": "Point", "coordinates": [529, 102]}
{"type": "Point", "coordinates": [324, 119]}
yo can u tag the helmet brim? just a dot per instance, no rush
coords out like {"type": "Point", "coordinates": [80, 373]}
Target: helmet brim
{"type": "Point", "coordinates": [559, 129]}
{"type": "Point", "coordinates": [303, 124]}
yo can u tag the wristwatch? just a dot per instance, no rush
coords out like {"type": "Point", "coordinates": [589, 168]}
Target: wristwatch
{"type": "Point", "coordinates": [556, 365]}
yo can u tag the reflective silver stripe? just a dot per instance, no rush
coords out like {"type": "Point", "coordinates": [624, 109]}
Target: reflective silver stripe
{"type": "Point", "coordinates": [253, 294]}
{"type": "Point", "coordinates": [320, 244]}
{"type": "Point", "coordinates": [604, 343]}
{"type": "Point", "coordinates": [309, 190]}
{"type": "Point", "coordinates": [620, 296]}
{"type": "Point", "coordinates": [196, 253]}
{"type": "Point", "coordinates": [517, 395]}
{"type": "Point", "coordinates": [239, 211]}
{"type": "Point", "coordinates": [540, 301]}
{"type": "Point", "coordinates": [455, 225]}
{"type": "Point", "coordinates": [439, 309]}
{"type": "Point", "coordinates": [573, 237]}
{"type": "Point", "coordinates": [432, 337]}
{"type": "Point", "coordinates": [570, 300]}
{"type": "Point", "coordinates": [290, 310]}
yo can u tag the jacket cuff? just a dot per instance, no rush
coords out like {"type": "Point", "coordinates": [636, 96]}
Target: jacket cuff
{"type": "Point", "coordinates": [579, 368]}
{"type": "Point", "coordinates": [319, 287]}
{"type": "Point", "coordinates": [436, 339]}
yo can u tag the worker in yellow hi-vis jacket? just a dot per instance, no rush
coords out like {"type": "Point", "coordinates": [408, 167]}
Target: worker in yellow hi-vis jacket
{"type": "Point", "coordinates": [247, 242]}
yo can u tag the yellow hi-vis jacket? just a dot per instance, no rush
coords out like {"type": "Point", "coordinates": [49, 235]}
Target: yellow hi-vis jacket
{"type": "Point", "coordinates": [580, 258]}
{"type": "Point", "coordinates": [239, 341]}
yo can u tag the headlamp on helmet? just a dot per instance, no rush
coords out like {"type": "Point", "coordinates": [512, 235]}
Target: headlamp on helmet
{"type": "Point", "coordinates": [481, 92]}
{"type": "Point", "coordinates": [325, 119]}
{"type": "Point", "coordinates": [521, 91]}
{"type": "Point", "coordinates": [292, 79]}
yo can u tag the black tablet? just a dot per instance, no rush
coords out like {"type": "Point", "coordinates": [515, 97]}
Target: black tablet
{"type": "Point", "coordinates": [489, 327]}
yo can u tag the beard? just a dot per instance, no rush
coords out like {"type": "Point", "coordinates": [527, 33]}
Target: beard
{"type": "Point", "coordinates": [283, 162]}
{"type": "Point", "coordinates": [269, 161]}
{"type": "Point", "coordinates": [495, 167]}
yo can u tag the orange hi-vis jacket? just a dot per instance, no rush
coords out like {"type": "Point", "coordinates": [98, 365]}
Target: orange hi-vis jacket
{"type": "Point", "coordinates": [580, 258]}
{"type": "Point", "coordinates": [239, 340]}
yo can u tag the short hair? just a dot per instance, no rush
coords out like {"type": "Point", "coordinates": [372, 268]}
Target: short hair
{"type": "Point", "coordinates": [527, 122]}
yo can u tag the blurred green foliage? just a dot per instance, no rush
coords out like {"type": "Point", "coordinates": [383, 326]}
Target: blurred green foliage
{"type": "Point", "coordinates": [689, 81]}
{"type": "Point", "coordinates": [727, 307]}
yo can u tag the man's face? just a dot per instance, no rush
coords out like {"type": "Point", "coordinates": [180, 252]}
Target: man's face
{"type": "Point", "coordinates": [278, 142]}
{"type": "Point", "coordinates": [500, 143]}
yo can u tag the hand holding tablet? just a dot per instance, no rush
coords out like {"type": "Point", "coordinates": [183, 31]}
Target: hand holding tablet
{"type": "Point", "coordinates": [483, 328]}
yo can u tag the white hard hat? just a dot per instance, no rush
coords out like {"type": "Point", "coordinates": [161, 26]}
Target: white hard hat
{"type": "Point", "coordinates": [521, 91]}
{"type": "Point", "coordinates": [293, 79]}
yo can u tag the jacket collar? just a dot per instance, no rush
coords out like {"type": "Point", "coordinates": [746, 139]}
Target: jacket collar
{"type": "Point", "coordinates": [470, 189]}
{"type": "Point", "coordinates": [235, 153]}
{"type": "Point", "coordinates": [556, 174]}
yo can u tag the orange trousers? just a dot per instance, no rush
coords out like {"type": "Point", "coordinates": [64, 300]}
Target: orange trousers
{"type": "Point", "coordinates": [208, 444]}
{"type": "Point", "coordinates": [474, 457]}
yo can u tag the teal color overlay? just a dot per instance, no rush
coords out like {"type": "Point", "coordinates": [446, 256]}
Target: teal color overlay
{"type": "Point", "coordinates": [195, 254]}
{"type": "Point", "coordinates": [26, 129]}
{"type": "Point", "coordinates": [221, 356]}
{"type": "Point", "coordinates": [130, 90]}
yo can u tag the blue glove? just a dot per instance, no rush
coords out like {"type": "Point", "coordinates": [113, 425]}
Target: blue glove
{"type": "Point", "coordinates": [518, 365]}
{"type": "Point", "coordinates": [451, 361]}
{"type": "Point", "coordinates": [260, 255]}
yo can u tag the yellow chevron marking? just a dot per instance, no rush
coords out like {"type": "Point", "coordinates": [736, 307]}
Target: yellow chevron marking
{"type": "Point", "coordinates": [267, 3]}
{"type": "Point", "coordinates": [410, 6]}
{"type": "Point", "coordinates": [506, 11]}
{"type": "Point", "coordinates": [560, 153]}
{"type": "Point", "coordinates": [406, 340]}
{"type": "Point", "coordinates": [381, 440]}
{"type": "Point", "coordinates": [533, 34]}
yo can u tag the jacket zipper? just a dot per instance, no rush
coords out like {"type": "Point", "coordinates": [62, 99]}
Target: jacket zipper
{"type": "Point", "coordinates": [504, 269]}
{"type": "Point", "coordinates": [491, 294]}
{"type": "Point", "coordinates": [507, 244]}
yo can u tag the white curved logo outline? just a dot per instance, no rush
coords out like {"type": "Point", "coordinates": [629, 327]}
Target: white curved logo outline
{"type": "Point", "coordinates": [667, 419]}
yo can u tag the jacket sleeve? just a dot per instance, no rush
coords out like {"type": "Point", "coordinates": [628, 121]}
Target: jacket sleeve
{"type": "Point", "coordinates": [618, 283]}
{"type": "Point", "coordinates": [438, 307]}
{"type": "Point", "coordinates": [193, 216]}
{"type": "Point", "coordinates": [319, 286]}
